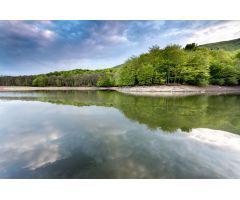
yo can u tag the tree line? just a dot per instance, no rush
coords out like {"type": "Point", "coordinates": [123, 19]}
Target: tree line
{"type": "Point", "coordinates": [192, 65]}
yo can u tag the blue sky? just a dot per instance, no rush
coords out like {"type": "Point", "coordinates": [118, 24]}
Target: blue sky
{"type": "Point", "coordinates": [32, 47]}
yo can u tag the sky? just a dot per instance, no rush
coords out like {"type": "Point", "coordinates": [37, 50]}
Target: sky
{"type": "Point", "coordinates": [33, 47]}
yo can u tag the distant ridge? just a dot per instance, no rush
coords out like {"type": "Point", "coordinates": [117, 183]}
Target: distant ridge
{"type": "Point", "coordinates": [230, 45]}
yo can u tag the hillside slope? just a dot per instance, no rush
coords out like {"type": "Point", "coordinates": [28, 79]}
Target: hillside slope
{"type": "Point", "coordinates": [230, 45]}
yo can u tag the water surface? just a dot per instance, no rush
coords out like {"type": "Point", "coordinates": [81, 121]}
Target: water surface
{"type": "Point", "coordinates": [105, 134]}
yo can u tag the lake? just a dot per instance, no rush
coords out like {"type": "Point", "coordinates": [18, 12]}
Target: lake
{"type": "Point", "coordinates": [107, 134]}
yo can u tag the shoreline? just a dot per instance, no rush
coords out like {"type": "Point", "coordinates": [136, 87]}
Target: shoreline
{"type": "Point", "coordinates": [180, 90]}
{"type": "Point", "coordinates": [136, 90]}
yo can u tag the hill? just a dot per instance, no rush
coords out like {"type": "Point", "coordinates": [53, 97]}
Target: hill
{"type": "Point", "coordinates": [230, 45]}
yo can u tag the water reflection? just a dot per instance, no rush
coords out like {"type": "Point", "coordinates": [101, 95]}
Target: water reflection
{"type": "Point", "coordinates": [167, 113]}
{"type": "Point", "coordinates": [107, 135]}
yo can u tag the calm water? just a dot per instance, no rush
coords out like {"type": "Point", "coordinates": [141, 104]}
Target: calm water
{"type": "Point", "coordinates": [102, 134]}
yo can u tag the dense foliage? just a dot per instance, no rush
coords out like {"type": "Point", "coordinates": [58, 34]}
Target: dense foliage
{"type": "Point", "coordinates": [192, 65]}
{"type": "Point", "coordinates": [16, 80]}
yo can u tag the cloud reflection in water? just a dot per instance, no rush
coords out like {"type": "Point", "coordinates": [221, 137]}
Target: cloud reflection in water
{"type": "Point", "coordinates": [57, 141]}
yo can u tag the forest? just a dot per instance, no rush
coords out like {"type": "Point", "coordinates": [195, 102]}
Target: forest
{"type": "Point", "coordinates": [172, 65]}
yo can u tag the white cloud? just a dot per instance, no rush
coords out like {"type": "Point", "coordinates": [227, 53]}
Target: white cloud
{"type": "Point", "coordinates": [220, 32]}
{"type": "Point", "coordinates": [48, 34]}
{"type": "Point", "coordinates": [48, 154]}
{"type": "Point", "coordinates": [36, 149]}
{"type": "Point", "coordinates": [27, 30]}
{"type": "Point", "coordinates": [216, 138]}
{"type": "Point", "coordinates": [117, 38]}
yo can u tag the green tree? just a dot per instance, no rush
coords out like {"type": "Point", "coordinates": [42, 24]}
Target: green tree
{"type": "Point", "coordinates": [127, 74]}
{"type": "Point", "coordinates": [196, 71]}
{"type": "Point", "coordinates": [105, 80]}
{"type": "Point", "coordinates": [40, 81]}
{"type": "Point", "coordinates": [223, 69]}
{"type": "Point", "coordinates": [174, 58]}
{"type": "Point", "coordinates": [145, 75]}
{"type": "Point", "coordinates": [190, 47]}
